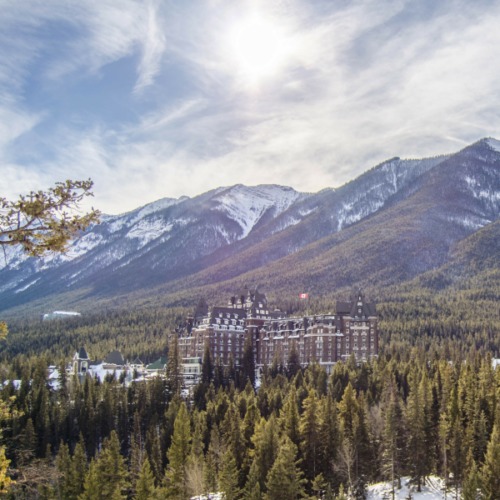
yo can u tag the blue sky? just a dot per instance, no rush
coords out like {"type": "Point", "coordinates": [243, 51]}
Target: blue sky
{"type": "Point", "coordinates": [156, 99]}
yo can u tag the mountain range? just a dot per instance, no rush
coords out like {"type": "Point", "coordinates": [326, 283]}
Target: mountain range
{"type": "Point", "coordinates": [397, 222]}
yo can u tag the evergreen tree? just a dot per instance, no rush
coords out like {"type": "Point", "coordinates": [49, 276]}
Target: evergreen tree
{"type": "Point", "coordinates": [110, 469]}
{"type": "Point", "coordinates": [490, 472]}
{"type": "Point", "coordinates": [417, 449]}
{"type": "Point", "coordinates": [293, 362]}
{"type": "Point", "coordinates": [247, 363]}
{"type": "Point", "coordinates": [392, 438]}
{"type": "Point", "coordinates": [78, 471]}
{"type": "Point", "coordinates": [63, 464]}
{"type": "Point", "coordinates": [154, 453]}
{"type": "Point", "coordinates": [145, 486]}
{"type": "Point", "coordinates": [177, 455]}
{"type": "Point", "coordinates": [285, 479]}
{"type": "Point", "coordinates": [210, 471]}
{"type": "Point", "coordinates": [92, 486]}
{"type": "Point", "coordinates": [207, 367]}
{"type": "Point", "coordinates": [471, 484]}
{"type": "Point", "coordinates": [174, 374]}
{"type": "Point", "coordinates": [228, 476]}
{"type": "Point", "coordinates": [328, 438]}
{"type": "Point", "coordinates": [290, 418]}
{"type": "Point", "coordinates": [309, 434]}
{"type": "Point", "coordinates": [137, 450]}
{"type": "Point", "coordinates": [266, 443]}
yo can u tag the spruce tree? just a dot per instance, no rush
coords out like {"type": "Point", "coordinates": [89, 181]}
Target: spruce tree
{"type": "Point", "coordinates": [228, 476]}
{"type": "Point", "coordinates": [309, 428]}
{"type": "Point", "coordinates": [247, 363]}
{"type": "Point", "coordinates": [92, 485]}
{"type": "Point", "coordinates": [285, 479]}
{"type": "Point", "coordinates": [78, 470]}
{"type": "Point", "coordinates": [145, 486]}
{"type": "Point", "coordinates": [290, 418]}
{"type": "Point", "coordinates": [266, 443]}
{"type": "Point", "coordinates": [471, 484]}
{"type": "Point", "coordinates": [110, 469]}
{"type": "Point", "coordinates": [490, 472]}
{"type": "Point", "coordinates": [392, 438]}
{"type": "Point", "coordinates": [177, 455]}
{"type": "Point", "coordinates": [63, 465]}
{"type": "Point", "coordinates": [328, 438]}
{"type": "Point", "coordinates": [415, 422]}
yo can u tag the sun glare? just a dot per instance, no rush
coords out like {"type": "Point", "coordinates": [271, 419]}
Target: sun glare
{"type": "Point", "coordinates": [259, 48]}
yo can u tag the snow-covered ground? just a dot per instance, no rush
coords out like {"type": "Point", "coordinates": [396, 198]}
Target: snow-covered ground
{"type": "Point", "coordinates": [432, 490]}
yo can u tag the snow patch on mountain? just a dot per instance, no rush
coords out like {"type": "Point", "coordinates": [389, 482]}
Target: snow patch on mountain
{"type": "Point", "coordinates": [25, 287]}
{"type": "Point", "coordinates": [246, 205]}
{"type": "Point", "coordinates": [480, 191]}
{"type": "Point", "coordinates": [147, 230]}
{"type": "Point", "coordinates": [473, 223]}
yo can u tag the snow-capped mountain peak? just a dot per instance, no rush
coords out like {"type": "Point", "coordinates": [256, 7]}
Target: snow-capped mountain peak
{"type": "Point", "coordinates": [247, 205]}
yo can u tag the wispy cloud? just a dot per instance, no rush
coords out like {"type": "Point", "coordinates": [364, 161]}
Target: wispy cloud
{"type": "Point", "coordinates": [364, 82]}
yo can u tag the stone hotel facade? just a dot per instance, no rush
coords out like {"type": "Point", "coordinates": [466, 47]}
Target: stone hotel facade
{"type": "Point", "coordinates": [324, 338]}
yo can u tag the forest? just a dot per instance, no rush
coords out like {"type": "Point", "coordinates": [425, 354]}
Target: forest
{"type": "Point", "coordinates": [428, 405]}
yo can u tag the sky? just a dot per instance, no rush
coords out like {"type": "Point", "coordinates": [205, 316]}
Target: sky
{"type": "Point", "coordinates": [159, 98]}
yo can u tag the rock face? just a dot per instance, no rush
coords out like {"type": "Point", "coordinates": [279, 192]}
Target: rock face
{"type": "Point", "coordinates": [397, 220]}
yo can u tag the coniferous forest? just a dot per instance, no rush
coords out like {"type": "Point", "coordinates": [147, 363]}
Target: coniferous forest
{"type": "Point", "coordinates": [429, 405]}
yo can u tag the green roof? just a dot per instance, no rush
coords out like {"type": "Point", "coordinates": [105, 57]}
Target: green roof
{"type": "Point", "coordinates": [159, 364]}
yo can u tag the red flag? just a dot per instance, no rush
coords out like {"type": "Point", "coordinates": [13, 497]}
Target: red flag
{"type": "Point", "coordinates": [303, 295]}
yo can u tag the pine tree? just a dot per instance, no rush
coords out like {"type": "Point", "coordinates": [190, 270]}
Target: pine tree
{"type": "Point", "coordinates": [490, 472]}
{"type": "Point", "coordinates": [392, 438]}
{"type": "Point", "coordinates": [417, 450]}
{"type": "Point", "coordinates": [177, 455]}
{"type": "Point", "coordinates": [290, 418]}
{"type": "Point", "coordinates": [78, 470]}
{"type": "Point", "coordinates": [145, 485]}
{"type": "Point", "coordinates": [233, 438]}
{"type": "Point", "coordinates": [328, 438]}
{"type": "Point", "coordinates": [266, 443]}
{"type": "Point", "coordinates": [247, 363]}
{"type": "Point", "coordinates": [471, 484]}
{"type": "Point", "coordinates": [154, 453]}
{"type": "Point", "coordinates": [173, 371]}
{"type": "Point", "coordinates": [285, 479]}
{"type": "Point", "coordinates": [228, 477]}
{"type": "Point", "coordinates": [110, 469]}
{"type": "Point", "coordinates": [92, 486]}
{"type": "Point", "coordinates": [137, 451]}
{"type": "Point", "coordinates": [293, 362]}
{"type": "Point", "coordinates": [63, 464]}
{"type": "Point", "coordinates": [309, 434]}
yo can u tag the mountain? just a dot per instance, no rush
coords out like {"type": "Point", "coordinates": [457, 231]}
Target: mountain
{"type": "Point", "coordinates": [397, 221]}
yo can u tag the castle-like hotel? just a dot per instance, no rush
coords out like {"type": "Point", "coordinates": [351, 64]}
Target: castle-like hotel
{"type": "Point", "coordinates": [325, 338]}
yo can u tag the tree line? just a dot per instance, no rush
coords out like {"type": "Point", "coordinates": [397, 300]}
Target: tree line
{"type": "Point", "coordinates": [300, 434]}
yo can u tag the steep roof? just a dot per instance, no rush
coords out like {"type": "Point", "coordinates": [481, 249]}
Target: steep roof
{"type": "Point", "coordinates": [115, 358]}
{"type": "Point", "coordinates": [82, 353]}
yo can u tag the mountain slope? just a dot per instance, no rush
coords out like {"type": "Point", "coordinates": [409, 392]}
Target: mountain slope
{"type": "Point", "coordinates": [393, 223]}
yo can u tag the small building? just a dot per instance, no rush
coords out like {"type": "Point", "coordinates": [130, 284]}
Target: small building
{"type": "Point", "coordinates": [158, 367]}
{"type": "Point", "coordinates": [81, 362]}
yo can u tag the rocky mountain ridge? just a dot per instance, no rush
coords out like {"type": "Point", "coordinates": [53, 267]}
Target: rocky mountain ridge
{"type": "Point", "coordinates": [397, 220]}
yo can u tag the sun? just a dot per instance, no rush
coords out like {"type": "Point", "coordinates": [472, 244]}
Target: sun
{"type": "Point", "coordinates": [259, 48]}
